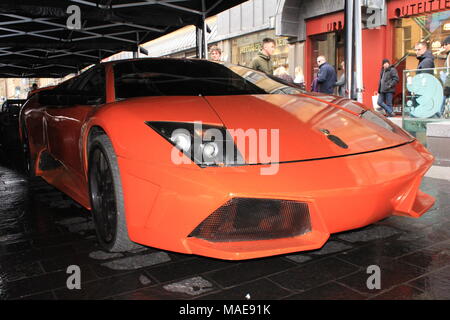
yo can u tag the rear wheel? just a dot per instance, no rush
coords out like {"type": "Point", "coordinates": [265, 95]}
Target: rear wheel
{"type": "Point", "coordinates": [107, 198]}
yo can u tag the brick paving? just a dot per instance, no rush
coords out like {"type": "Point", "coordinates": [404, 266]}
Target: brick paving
{"type": "Point", "coordinates": [42, 232]}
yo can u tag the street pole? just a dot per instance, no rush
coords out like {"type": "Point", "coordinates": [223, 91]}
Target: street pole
{"type": "Point", "coordinates": [348, 25]}
{"type": "Point", "coordinates": [358, 51]}
{"type": "Point", "coordinates": [204, 31]}
{"type": "Point", "coordinates": [198, 45]}
{"type": "Point", "coordinates": [204, 40]}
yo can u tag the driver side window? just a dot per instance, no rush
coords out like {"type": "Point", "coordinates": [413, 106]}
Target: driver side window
{"type": "Point", "coordinates": [93, 86]}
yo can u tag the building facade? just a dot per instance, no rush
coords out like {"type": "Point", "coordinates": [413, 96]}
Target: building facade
{"type": "Point", "coordinates": [391, 29]}
{"type": "Point", "coordinates": [238, 32]}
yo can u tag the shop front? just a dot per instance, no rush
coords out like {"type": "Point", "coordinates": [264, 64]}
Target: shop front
{"type": "Point", "coordinates": [421, 93]}
{"type": "Point", "coordinates": [407, 22]}
{"type": "Point", "coordinates": [325, 37]}
{"type": "Point", "coordinates": [414, 21]}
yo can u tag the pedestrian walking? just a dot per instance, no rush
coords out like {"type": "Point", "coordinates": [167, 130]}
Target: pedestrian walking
{"type": "Point", "coordinates": [326, 77]}
{"type": "Point", "coordinates": [446, 50]}
{"type": "Point", "coordinates": [262, 62]}
{"type": "Point", "coordinates": [386, 86]}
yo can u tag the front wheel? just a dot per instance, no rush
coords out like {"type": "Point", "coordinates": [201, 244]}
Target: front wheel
{"type": "Point", "coordinates": [107, 198]}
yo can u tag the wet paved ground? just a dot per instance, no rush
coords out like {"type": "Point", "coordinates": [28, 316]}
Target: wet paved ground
{"type": "Point", "coordinates": [43, 232]}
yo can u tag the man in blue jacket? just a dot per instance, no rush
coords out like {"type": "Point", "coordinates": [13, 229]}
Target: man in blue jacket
{"type": "Point", "coordinates": [327, 76]}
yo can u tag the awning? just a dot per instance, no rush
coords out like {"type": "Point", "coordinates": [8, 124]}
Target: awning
{"type": "Point", "coordinates": [181, 40]}
{"type": "Point", "coordinates": [36, 41]}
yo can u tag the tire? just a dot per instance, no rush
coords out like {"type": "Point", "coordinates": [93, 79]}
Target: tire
{"type": "Point", "coordinates": [107, 205]}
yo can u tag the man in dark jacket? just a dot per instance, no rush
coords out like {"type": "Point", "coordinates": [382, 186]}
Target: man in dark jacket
{"type": "Point", "coordinates": [326, 78]}
{"type": "Point", "coordinates": [446, 50]}
{"type": "Point", "coordinates": [262, 61]}
{"type": "Point", "coordinates": [425, 57]}
{"type": "Point", "coordinates": [386, 86]}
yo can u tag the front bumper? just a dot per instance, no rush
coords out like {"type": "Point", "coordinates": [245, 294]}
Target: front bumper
{"type": "Point", "coordinates": [165, 203]}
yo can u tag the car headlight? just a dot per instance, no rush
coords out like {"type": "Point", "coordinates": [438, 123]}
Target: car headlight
{"type": "Point", "coordinates": [206, 145]}
{"type": "Point", "coordinates": [181, 140]}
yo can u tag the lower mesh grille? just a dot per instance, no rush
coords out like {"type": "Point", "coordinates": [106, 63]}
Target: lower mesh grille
{"type": "Point", "coordinates": [247, 219]}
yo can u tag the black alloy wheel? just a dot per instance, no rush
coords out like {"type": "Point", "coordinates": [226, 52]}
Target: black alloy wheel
{"type": "Point", "coordinates": [106, 197]}
{"type": "Point", "coordinates": [102, 196]}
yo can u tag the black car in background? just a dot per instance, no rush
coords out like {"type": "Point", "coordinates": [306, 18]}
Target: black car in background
{"type": "Point", "coordinates": [12, 106]}
{"type": "Point", "coordinates": [9, 124]}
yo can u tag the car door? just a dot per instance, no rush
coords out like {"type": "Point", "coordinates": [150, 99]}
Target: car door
{"type": "Point", "coordinates": [64, 123]}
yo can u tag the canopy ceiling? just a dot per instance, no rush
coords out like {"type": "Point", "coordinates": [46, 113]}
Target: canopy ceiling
{"type": "Point", "coordinates": [36, 42]}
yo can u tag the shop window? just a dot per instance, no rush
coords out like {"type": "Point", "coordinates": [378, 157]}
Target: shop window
{"type": "Point", "coordinates": [407, 43]}
{"type": "Point", "coordinates": [433, 28]}
{"type": "Point", "coordinates": [245, 48]}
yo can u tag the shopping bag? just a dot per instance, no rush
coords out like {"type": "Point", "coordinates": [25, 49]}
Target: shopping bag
{"type": "Point", "coordinates": [375, 104]}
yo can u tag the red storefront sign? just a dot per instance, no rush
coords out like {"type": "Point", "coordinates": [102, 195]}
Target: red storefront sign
{"type": "Point", "coordinates": [329, 23]}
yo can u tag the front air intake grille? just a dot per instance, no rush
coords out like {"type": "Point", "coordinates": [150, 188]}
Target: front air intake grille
{"type": "Point", "coordinates": [246, 219]}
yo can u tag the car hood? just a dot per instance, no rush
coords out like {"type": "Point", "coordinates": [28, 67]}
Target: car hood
{"type": "Point", "coordinates": [302, 127]}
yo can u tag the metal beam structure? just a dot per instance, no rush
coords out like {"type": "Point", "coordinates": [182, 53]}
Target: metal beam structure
{"type": "Point", "coordinates": [202, 41]}
{"type": "Point", "coordinates": [36, 39]}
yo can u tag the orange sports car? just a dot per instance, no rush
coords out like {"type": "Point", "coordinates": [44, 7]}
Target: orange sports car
{"type": "Point", "coordinates": [218, 160]}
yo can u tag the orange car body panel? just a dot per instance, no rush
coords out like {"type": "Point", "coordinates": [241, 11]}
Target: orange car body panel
{"type": "Point", "coordinates": [377, 176]}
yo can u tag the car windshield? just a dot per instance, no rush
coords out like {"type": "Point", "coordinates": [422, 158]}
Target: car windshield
{"type": "Point", "coordinates": [184, 77]}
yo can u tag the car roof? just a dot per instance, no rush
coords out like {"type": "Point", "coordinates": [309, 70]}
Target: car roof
{"type": "Point", "coordinates": [155, 59]}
